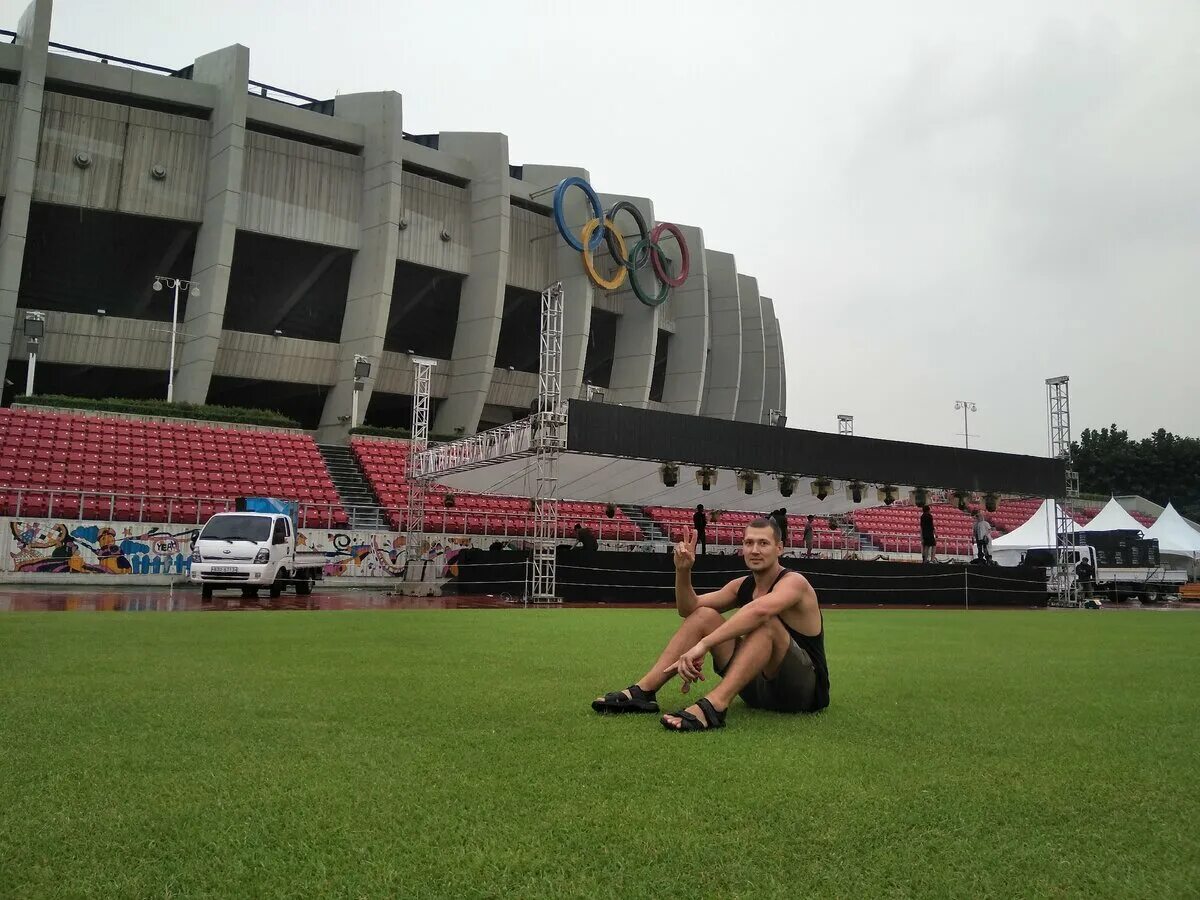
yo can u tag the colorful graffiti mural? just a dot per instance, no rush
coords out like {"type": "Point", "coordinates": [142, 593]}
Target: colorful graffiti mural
{"type": "Point", "coordinates": [98, 548]}
{"type": "Point", "coordinates": [130, 548]}
{"type": "Point", "coordinates": [379, 554]}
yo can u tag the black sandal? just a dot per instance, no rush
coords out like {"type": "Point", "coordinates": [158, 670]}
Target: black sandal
{"type": "Point", "coordinates": [617, 702]}
{"type": "Point", "coordinates": [689, 722]}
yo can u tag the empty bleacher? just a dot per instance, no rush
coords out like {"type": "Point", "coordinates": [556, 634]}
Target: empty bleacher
{"type": "Point", "coordinates": [75, 465]}
{"type": "Point", "coordinates": [383, 461]}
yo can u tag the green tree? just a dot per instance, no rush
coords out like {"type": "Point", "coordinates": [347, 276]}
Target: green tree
{"type": "Point", "coordinates": [1162, 467]}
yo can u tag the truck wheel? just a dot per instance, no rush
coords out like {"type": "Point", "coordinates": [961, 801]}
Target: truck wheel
{"type": "Point", "coordinates": [304, 586]}
{"type": "Point", "coordinates": [276, 587]}
{"type": "Point", "coordinates": [206, 591]}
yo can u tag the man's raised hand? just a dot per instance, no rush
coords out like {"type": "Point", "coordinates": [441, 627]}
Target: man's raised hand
{"type": "Point", "coordinates": [685, 551]}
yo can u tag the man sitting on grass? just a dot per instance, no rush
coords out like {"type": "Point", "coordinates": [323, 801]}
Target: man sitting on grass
{"type": "Point", "coordinates": [771, 651]}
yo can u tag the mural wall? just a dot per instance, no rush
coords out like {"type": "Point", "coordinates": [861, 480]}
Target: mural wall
{"type": "Point", "coordinates": [52, 547]}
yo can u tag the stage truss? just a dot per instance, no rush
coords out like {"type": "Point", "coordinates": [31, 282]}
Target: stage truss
{"type": "Point", "coordinates": [1058, 404]}
{"type": "Point", "coordinates": [542, 436]}
{"type": "Point", "coordinates": [418, 483]}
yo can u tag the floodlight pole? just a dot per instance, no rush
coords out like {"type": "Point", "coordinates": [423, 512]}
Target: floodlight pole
{"type": "Point", "coordinates": [175, 284]}
{"type": "Point", "coordinates": [966, 406]}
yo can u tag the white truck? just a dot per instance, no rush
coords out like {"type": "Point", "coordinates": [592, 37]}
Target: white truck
{"type": "Point", "coordinates": [252, 550]}
{"type": "Point", "coordinates": [1149, 584]}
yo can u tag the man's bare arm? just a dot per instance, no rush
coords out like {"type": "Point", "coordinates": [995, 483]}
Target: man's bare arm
{"type": "Point", "coordinates": [687, 601]}
{"type": "Point", "coordinates": [792, 591]}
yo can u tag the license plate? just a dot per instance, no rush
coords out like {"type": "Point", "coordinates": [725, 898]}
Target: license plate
{"type": "Point", "coordinates": [223, 569]}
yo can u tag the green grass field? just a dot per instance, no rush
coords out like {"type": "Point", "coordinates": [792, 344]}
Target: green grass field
{"type": "Point", "coordinates": [453, 754]}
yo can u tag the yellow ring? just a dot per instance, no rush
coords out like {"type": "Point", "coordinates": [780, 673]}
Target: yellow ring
{"type": "Point", "coordinates": [617, 280]}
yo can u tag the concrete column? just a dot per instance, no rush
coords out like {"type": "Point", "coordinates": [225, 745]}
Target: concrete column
{"type": "Point", "coordinates": [33, 36]}
{"type": "Point", "coordinates": [753, 374]}
{"type": "Point", "coordinates": [782, 369]}
{"type": "Point", "coordinates": [771, 345]}
{"type": "Point", "coordinates": [637, 327]}
{"type": "Point", "coordinates": [568, 268]}
{"type": "Point", "coordinates": [481, 304]}
{"type": "Point", "coordinates": [683, 390]}
{"type": "Point", "coordinates": [373, 270]}
{"type": "Point", "coordinates": [228, 70]}
{"type": "Point", "coordinates": [725, 331]}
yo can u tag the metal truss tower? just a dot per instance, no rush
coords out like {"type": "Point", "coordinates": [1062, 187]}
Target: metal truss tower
{"type": "Point", "coordinates": [418, 481]}
{"type": "Point", "coordinates": [1058, 405]}
{"type": "Point", "coordinates": [549, 441]}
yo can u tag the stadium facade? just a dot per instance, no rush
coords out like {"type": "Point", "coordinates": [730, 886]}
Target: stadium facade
{"type": "Point", "coordinates": [316, 231]}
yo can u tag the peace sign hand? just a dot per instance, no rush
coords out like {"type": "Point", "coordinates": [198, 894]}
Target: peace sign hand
{"type": "Point", "coordinates": [685, 551]}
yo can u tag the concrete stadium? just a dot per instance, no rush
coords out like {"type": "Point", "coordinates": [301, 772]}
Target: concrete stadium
{"type": "Point", "coordinates": [315, 231]}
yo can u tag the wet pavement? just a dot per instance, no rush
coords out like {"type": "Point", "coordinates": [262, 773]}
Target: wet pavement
{"type": "Point", "coordinates": [23, 598]}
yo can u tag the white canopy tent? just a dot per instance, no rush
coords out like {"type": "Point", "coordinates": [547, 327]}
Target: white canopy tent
{"type": "Point", "coordinates": [1039, 530]}
{"type": "Point", "coordinates": [1114, 517]}
{"type": "Point", "coordinates": [1175, 535]}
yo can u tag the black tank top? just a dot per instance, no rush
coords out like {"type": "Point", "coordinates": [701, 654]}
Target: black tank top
{"type": "Point", "coordinates": [814, 646]}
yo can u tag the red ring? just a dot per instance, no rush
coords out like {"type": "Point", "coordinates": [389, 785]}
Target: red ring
{"type": "Point", "coordinates": [686, 261]}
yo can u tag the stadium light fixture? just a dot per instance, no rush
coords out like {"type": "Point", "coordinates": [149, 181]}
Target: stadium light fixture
{"type": "Point", "coordinates": [670, 474]}
{"type": "Point", "coordinates": [888, 494]}
{"type": "Point", "coordinates": [966, 406]}
{"type": "Point", "coordinates": [787, 485]}
{"type": "Point", "coordinates": [35, 330]}
{"type": "Point", "coordinates": [362, 371]}
{"type": "Point", "coordinates": [919, 496]}
{"type": "Point", "coordinates": [706, 477]}
{"type": "Point", "coordinates": [855, 491]}
{"type": "Point", "coordinates": [747, 480]}
{"type": "Point", "coordinates": [193, 290]}
{"type": "Point", "coordinates": [821, 487]}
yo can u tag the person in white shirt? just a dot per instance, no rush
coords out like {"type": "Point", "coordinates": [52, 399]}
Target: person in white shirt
{"type": "Point", "coordinates": [983, 534]}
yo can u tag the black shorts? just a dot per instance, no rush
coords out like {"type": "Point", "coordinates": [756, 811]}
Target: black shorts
{"type": "Point", "coordinates": [792, 690]}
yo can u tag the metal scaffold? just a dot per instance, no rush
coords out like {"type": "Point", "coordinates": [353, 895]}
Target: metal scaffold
{"type": "Point", "coordinates": [1058, 404]}
{"type": "Point", "coordinates": [549, 441]}
{"type": "Point", "coordinates": [418, 480]}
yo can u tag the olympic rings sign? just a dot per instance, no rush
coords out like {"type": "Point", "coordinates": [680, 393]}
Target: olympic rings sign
{"type": "Point", "coordinates": [601, 227]}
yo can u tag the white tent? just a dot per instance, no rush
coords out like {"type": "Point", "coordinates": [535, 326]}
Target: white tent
{"type": "Point", "coordinates": [1114, 517]}
{"type": "Point", "coordinates": [1174, 534]}
{"type": "Point", "coordinates": [1037, 531]}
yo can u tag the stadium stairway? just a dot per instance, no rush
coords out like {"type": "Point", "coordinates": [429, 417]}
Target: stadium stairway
{"type": "Point", "coordinates": [649, 527]}
{"type": "Point", "coordinates": [357, 496]}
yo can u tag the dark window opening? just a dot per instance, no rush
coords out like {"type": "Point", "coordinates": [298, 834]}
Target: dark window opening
{"type": "Point", "coordinates": [602, 344]}
{"type": "Point", "coordinates": [81, 260]}
{"type": "Point", "coordinates": [518, 346]}
{"type": "Point", "coordinates": [290, 286]}
{"type": "Point", "coordinates": [659, 378]}
{"type": "Point", "coordinates": [137, 101]}
{"type": "Point", "coordinates": [395, 410]}
{"type": "Point", "coordinates": [303, 137]}
{"type": "Point", "coordinates": [302, 402]}
{"type": "Point", "coordinates": [96, 382]}
{"type": "Point", "coordinates": [435, 175]}
{"type": "Point", "coordinates": [423, 316]}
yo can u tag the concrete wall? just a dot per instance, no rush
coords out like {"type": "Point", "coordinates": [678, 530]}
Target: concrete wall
{"type": "Point", "coordinates": [33, 34]}
{"type": "Point", "coordinates": [724, 369]}
{"type": "Point", "coordinates": [753, 372]}
{"type": "Point", "coordinates": [349, 180]}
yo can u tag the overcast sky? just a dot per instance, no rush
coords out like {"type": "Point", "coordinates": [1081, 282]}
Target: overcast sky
{"type": "Point", "coordinates": [946, 200]}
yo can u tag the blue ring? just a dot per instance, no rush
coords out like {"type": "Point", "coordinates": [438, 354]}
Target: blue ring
{"type": "Point", "coordinates": [597, 213]}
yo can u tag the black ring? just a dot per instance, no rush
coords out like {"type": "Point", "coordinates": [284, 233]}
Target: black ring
{"type": "Point", "coordinates": [643, 232]}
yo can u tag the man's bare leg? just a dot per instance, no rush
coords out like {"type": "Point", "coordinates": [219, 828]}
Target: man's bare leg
{"type": "Point", "coordinates": [702, 622]}
{"type": "Point", "coordinates": [762, 650]}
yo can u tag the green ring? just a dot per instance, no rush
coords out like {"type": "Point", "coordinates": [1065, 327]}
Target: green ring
{"type": "Point", "coordinates": [664, 289]}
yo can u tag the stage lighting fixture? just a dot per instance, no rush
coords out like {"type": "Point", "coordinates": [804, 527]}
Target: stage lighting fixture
{"type": "Point", "coordinates": [961, 499]}
{"type": "Point", "coordinates": [706, 477]}
{"type": "Point", "coordinates": [888, 494]}
{"type": "Point", "coordinates": [670, 474]}
{"type": "Point", "coordinates": [821, 487]}
{"type": "Point", "coordinates": [989, 501]}
{"type": "Point", "coordinates": [747, 480]}
{"type": "Point", "coordinates": [855, 491]}
{"type": "Point", "coordinates": [919, 497]}
{"type": "Point", "coordinates": [787, 485]}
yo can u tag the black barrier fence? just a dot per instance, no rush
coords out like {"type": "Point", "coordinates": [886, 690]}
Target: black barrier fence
{"type": "Point", "coordinates": [650, 578]}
